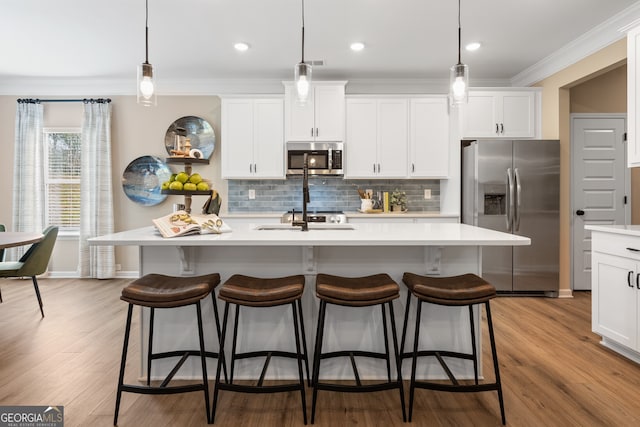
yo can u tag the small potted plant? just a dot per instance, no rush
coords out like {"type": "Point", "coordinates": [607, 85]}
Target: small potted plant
{"type": "Point", "coordinates": [398, 201]}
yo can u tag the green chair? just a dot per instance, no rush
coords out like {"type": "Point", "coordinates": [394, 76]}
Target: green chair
{"type": "Point", "coordinates": [33, 262]}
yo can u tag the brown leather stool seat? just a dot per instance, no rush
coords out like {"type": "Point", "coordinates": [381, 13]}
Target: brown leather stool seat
{"type": "Point", "coordinates": [247, 291]}
{"type": "Point", "coordinates": [356, 291]}
{"type": "Point", "coordinates": [454, 290]}
{"type": "Point", "coordinates": [378, 289]}
{"type": "Point", "coordinates": [463, 290]}
{"type": "Point", "coordinates": [159, 291]}
{"type": "Point", "coordinates": [259, 292]}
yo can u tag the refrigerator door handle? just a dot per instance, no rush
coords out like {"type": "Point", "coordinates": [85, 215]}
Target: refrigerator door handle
{"type": "Point", "coordinates": [510, 194]}
{"type": "Point", "coordinates": [517, 202]}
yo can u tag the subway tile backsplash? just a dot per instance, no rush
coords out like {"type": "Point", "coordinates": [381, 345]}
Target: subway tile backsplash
{"type": "Point", "coordinates": [326, 193]}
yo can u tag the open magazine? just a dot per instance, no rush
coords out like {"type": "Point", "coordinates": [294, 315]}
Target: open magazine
{"type": "Point", "coordinates": [180, 223]}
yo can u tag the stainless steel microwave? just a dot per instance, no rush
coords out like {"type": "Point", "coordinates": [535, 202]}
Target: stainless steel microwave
{"type": "Point", "coordinates": [324, 158]}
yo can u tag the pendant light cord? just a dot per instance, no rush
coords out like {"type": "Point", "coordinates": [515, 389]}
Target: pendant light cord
{"type": "Point", "coordinates": [459, 35]}
{"type": "Point", "coordinates": [146, 33]}
{"type": "Point", "coordinates": [302, 31]}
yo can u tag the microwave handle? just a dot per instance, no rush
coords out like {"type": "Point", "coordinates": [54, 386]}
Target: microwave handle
{"type": "Point", "coordinates": [330, 160]}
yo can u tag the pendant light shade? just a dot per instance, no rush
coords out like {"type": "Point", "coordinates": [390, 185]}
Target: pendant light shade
{"type": "Point", "coordinates": [459, 75]}
{"type": "Point", "coordinates": [146, 87]}
{"type": "Point", "coordinates": [302, 73]}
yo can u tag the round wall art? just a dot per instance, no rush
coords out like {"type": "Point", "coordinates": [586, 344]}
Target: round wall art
{"type": "Point", "coordinates": [142, 179]}
{"type": "Point", "coordinates": [199, 131]}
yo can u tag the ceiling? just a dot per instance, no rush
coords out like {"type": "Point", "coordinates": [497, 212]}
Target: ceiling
{"type": "Point", "coordinates": [193, 39]}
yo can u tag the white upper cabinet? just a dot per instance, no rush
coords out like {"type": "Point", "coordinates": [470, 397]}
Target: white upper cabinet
{"type": "Point", "coordinates": [252, 138]}
{"type": "Point", "coordinates": [429, 137]}
{"type": "Point", "coordinates": [633, 100]}
{"type": "Point", "coordinates": [501, 114]}
{"type": "Point", "coordinates": [377, 138]}
{"type": "Point", "coordinates": [321, 118]}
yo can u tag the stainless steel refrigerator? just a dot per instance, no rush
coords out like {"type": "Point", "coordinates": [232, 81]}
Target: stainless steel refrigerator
{"type": "Point", "coordinates": [514, 187]}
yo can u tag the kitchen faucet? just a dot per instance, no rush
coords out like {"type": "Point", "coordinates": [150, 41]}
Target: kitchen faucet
{"type": "Point", "coordinates": [305, 196]}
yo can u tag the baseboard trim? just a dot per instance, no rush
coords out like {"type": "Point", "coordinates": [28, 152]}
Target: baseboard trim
{"type": "Point", "coordinates": [133, 274]}
{"type": "Point", "coordinates": [565, 293]}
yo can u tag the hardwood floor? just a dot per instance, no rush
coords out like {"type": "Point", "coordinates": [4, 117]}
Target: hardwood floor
{"type": "Point", "coordinates": [554, 371]}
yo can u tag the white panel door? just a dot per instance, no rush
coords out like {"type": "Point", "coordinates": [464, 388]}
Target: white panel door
{"type": "Point", "coordinates": [268, 149]}
{"type": "Point", "coordinates": [598, 182]}
{"type": "Point", "coordinates": [360, 144]}
{"type": "Point", "coordinates": [429, 138]}
{"type": "Point", "coordinates": [237, 138]}
{"type": "Point", "coordinates": [393, 124]}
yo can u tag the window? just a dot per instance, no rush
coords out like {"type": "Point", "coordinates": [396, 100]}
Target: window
{"type": "Point", "coordinates": [62, 178]}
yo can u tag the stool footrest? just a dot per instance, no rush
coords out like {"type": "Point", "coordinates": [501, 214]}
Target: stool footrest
{"type": "Point", "coordinates": [161, 390]}
{"type": "Point", "coordinates": [259, 389]}
{"type": "Point", "coordinates": [425, 353]}
{"type": "Point", "coordinates": [350, 353]}
{"type": "Point", "coordinates": [180, 353]}
{"type": "Point", "coordinates": [460, 388]}
{"type": "Point", "coordinates": [362, 388]}
{"type": "Point", "coordinates": [264, 353]}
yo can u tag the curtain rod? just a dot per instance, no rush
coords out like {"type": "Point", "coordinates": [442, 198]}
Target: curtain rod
{"type": "Point", "coordinates": [85, 100]}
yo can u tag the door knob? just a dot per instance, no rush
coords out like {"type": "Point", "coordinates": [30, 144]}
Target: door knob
{"type": "Point", "coordinates": [579, 212]}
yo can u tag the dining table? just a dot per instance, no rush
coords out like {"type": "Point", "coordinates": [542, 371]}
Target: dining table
{"type": "Point", "coordinates": [10, 239]}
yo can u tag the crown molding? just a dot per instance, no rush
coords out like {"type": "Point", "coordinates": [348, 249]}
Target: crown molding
{"type": "Point", "coordinates": [589, 43]}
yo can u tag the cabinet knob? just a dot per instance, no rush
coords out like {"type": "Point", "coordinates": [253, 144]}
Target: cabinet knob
{"type": "Point", "coordinates": [629, 279]}
{"type": "Point", "coordinates": [637, 281]}
{"type": "Point", "coordinates": [579, 212]}
{"type": "Point", "coordinates": [501, 127]}
{"type": "Point", "coordinates": [497, 129]}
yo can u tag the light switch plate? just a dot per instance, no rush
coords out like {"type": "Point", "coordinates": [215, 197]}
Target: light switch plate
{"type": "Point", "coordinates": [252, 194]}
{"type": "Point", "coordinates": [427, 193]}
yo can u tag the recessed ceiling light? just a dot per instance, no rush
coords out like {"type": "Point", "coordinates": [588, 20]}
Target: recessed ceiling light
{"type": "Point", "coordinates": [357, 46]}
{"type": "Point", "coordinates": [241, 47]}
{"type": "Point", "coordinates": [473, 46]}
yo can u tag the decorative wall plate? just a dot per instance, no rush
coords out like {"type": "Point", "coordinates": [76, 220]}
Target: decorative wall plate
{"type": "Point", "coordinates": [142, 179]}
{"type": "Point", "coordinates": [199, 132]}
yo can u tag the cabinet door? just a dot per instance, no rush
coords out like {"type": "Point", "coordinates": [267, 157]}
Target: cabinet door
{"type": "Point", "coordinates": [237, 141]}
{"type": "Point", "coordinates": [633, 101]}
{"type": "Point", "coordinates": [429, 138]}
{"type": "Point", "coordinates": [268, 138]}
{"type": "Point", "coordinates": [516, 115]}
{"type": "Point", "coordinates": [479, 119]}
{"type": "Point", "coordinates": [299, 120]}
{"type": "Point", "coordinates": [615, 298]}
{"type": "Point", "coordinates": [360, 145]}
{"type": "Point", "coordinates": [329, 112]}
{"type": "Point", "coordinates": [393, 124]}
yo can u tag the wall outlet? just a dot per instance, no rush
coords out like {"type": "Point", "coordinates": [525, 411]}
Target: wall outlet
{"type": "Point", "coordinates": [118, 267]}
{"type": "Point", "coordinates": [427, 193]}
{"type": "Point", "coordinates": [252, 194]}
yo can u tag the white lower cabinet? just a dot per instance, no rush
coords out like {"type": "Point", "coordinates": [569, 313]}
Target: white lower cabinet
{"type": "Point", "coordinates": [615, 295]}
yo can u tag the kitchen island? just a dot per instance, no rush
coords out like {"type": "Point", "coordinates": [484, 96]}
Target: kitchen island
{"type": "Point", "coordinates": [344, 249]}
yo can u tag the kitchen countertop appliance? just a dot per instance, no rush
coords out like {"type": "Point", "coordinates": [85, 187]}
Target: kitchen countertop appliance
{"type": "Point", "coordinates": [324, 158]}
{"type": "Point", "coordinates": [514, 186]}
{"type": "Point", "coordinates": [331, 217]}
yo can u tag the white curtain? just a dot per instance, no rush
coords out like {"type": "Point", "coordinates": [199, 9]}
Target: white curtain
{"type": "Point", "coordinates": [96, 196]}
{"type": "Point", "coordinates": [28, 173]}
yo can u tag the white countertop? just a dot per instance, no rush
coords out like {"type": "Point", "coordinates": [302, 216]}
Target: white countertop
{"type": "Point", "coordinates": [370, 234]}
{"type": "Point", "coordinates": [629, 230]}
{"type": "Point", "coordinates": [410, 214]}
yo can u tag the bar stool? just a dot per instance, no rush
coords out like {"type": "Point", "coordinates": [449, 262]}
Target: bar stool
{"type": "Point", "coordinates": [160, 291]}
{"type": "Point", "coordinates": [368, 291]}
{"type": "Point", "coordinates": [259, 292]}
{"type": "Point", "coordinates": [463, 290]}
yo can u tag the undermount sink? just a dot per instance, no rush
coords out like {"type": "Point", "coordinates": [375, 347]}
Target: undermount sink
{"type": "Point", "coordinates": [312, 226]}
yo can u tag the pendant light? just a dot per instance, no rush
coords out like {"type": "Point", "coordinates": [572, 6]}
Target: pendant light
{"type": "Point", "coordinates": [459, 80]}
{"type": "Point", "coordinates": [302, 73]}
{"type": "Point", "coordinates": [146, 89]}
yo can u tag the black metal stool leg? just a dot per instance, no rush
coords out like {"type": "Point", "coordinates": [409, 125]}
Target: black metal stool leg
{"type": "Point", "coordinates": [235, 342]}
{"type": "Point", "coordinates": [203, 359]}
{"type": "Point", "coordinates": [386, 342]}
{"type": "Point", "coordinates": [35, 286]}
{"type": "Point", "coordinates": [416, 337]}
{"type": "Point", "coordinates": [217, 319]}
{"type": "Point", "coordinates": [316, 358]}
{"type": "Point", "coordinates": [150, 344]}
{"type": "Point", "coordinates": [298, 351]}
{"type": "Point", "coordinates": [495, 362]}
{"type": "Point", "coordinates": [304, 343]}
{"type": "Point", "coordinates": [473, 344]}
{"type": "Point", "coordinates": [123, 362]}
{"type": "Point", "coordinates": [404, 324]}
{"type": "Point", "coordinates": [398, 360]}
{"type": "Point", "coordinates": [220, 360]}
